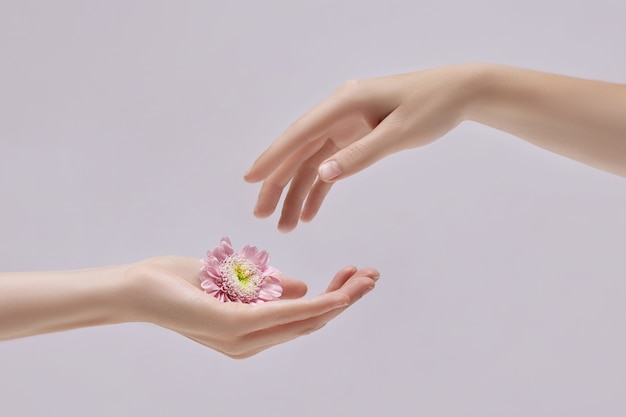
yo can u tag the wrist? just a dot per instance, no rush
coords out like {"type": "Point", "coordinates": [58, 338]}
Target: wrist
{"type": "Point", "coordinates": [497, 90]}
{"type": "Point", "coordinates": [479, 83]}
{"type": "Point", "coordinates": [134, 293]}
{"type": "Point", "coordinates": [119, 294]}
{"type": "Point", "coordinates": [106, 294]}
{"type": "Point", "coordinates": [154, 288]}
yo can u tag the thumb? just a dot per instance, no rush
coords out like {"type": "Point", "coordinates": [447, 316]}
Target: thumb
{"type": "Point", "coordinates": [359, 155]}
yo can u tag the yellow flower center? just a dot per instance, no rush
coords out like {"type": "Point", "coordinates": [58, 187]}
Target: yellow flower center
{"type": "Point", "coordinates": [243, 275]}
{"type": "Point", "coordinates": [242, 279]}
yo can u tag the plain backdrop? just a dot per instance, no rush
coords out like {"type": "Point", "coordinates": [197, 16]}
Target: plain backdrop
{"type": "Point", "coordinates": [125, 129]}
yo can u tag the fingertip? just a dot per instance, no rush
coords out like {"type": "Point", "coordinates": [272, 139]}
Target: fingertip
{"type": "Point", "coordinates": [307, 214]}
{"type": "Point", "coordinates": [286, 227]}
{"type": "Point", "coordinates": [371, 273]}
{"type": "Point", "coordinates": [267, 200]}
{"type": "Point", "coordinates": [251, 175]}
{"type": "Point", "coordinates": [350, 268]}
{"type": "Point", "coordinates": [314, 200]}
{"type": "Point", "coordinates": [340, 278]}
{"type": "Point", "coordinates": [259, 213]}
{"type": "Point", "coordinates": [346, 272]}
{"type": "Point", "coordinates": [292, 288]}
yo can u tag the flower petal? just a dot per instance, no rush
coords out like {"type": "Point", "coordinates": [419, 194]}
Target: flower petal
{"type": "Point", "coordinates": [209, 285]}
{"type": "Point", "coordinates": [270, 271]}
{"type": "Point", "coordinates": [242, 277]}
{"type": "Point", "coordinates": [270, 291]}
{"type": "Point", "coordinates": [210, 272]}
{"type": "Point", "coordinates": [261, 258]}
{"type": "Point", "coordinates": [249, 252]}
{"type": "Point", "coordinates": [224, 249]}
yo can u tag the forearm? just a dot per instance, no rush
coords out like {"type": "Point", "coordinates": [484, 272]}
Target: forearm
{"type": "Point", "coordinates": [582, 119]}
{"type": "Point", "coordinates": [41, 302]}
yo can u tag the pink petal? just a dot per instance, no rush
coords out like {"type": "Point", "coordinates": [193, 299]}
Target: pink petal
{"type": "Point", "coordinates": [261, 258]}
{"type": "Point", "coordinates": [270, 291]}
{"type": "Point", "coordinates": [212, 280]}
{"type": "Point", "coordinates": [224, 249]}
{"type": "Point", "coordinates": [210, 258]}
{"type": "Point", "coordinates": [270, 271]}
{"type": "Point", "coordinates": [210, 273]}
{"type": "Point", "coordinates": [226, 242]}
{"type": "Point", "coordinates": [209, 285]}
{"type": "Point", "coordinates": [249, 252]}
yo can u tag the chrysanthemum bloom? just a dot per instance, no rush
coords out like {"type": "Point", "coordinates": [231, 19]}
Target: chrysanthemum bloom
{"type": "Point", "coordinates": [243, 277]}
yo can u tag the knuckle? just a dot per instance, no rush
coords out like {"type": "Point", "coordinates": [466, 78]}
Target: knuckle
{"type": "Point", "coordinates": [352, 91]}
{"type": "Point", "coordinates": [356, 152]}
{"type": "Point", "coordinates": [299, 125]}
{"type": "Point", "coordinates": [350, 85]}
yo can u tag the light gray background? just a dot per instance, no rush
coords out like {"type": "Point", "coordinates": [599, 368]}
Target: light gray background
{"type": "Point", "coordinates": [125, 129]}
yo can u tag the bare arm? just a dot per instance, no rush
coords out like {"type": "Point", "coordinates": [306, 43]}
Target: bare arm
{"type": "Point", "coordinates": [582, 119]}
{"type": "Point", "coordinates": [166, 291]}
{"type": "Point", "coordinates": [42, 302]}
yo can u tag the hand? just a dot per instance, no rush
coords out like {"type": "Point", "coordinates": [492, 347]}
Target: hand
{"type": "Point", "coordinates": [366, 120]}
{"type": "Point", "coordinates": [359, 124]}
{"type": "Point", "coordinates": [167, 293]}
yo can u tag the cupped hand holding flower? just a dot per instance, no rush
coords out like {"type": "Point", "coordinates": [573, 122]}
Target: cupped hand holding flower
{"type": "Point", "coordinates": [169, 295]}
{"type": "Point", "coordinates": [166, 291]}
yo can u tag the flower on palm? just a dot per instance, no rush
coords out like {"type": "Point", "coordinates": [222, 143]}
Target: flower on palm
{"type": "Point", "coordinates": [242, 276]}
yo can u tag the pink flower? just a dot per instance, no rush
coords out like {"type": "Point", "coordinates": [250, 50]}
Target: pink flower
{"type": "Point", "coordinates": [243, 277]}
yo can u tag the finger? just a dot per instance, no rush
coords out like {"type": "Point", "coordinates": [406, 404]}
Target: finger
{"type": "Point", "coordinates": [273, 186]}
{"type": "Point", "coordinates": [262, 339]}
{"type": "Point", "coordinates": [275, 313]}
{"type": "Point", "coordinates": [341, 277]}
{"type": "Point", "coordinates": [351, 272]}
{"type": "Point", "coordinates": [307, 128]}
{"type": "Point", "coordinates": [266, 338]}
{"type": "Point", "coordinates": [350, 129]}
{"type": "Point", "coordinates": [359, 155]}
{"type": "Point", "coordinates": [314, 200]}
{"type": "Point", "coordinates": [300, 187]}
{"type": "Point", "coordinates": [268, 199]}
{"type": "Point", "coordinates": [292, 288]}
{"type": "Point", "coordinates": [359, 284]}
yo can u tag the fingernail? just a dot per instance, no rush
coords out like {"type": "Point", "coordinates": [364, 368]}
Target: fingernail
{"type": "Point", "coordinates": [329, 170]}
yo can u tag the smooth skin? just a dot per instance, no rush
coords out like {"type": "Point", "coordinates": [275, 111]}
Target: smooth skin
{"type": "Point", "coordinates": [166, 291]}
{"type": "Point", "coordinates": [365, 120]}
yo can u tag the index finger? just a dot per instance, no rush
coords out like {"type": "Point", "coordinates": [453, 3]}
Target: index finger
{"type": "Point", "coordinates": [311, 126]}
